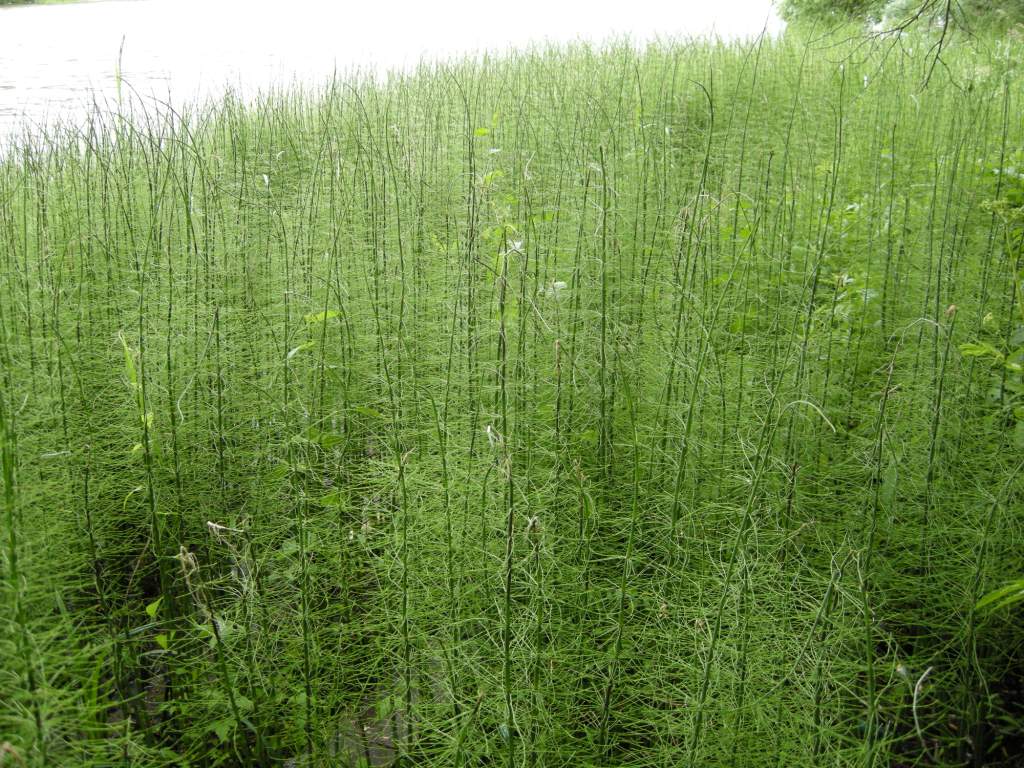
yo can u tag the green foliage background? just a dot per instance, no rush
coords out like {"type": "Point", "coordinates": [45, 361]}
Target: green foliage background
{"type": "Point", "coordinates": [968, 14]}
{"type": "Point", "coordinates": [575, 407]}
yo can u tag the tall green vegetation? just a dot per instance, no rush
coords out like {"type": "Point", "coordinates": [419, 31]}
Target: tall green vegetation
{"type": "Point", "coordinates": [575, 407]}
{"type": "Point", "coordinates": [900, 15]}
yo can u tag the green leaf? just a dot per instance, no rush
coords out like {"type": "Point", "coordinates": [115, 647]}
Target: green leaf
{"type": "Point", "coordinates": [328, 440]}
{"type": "Point", "coordinates": [280, 472]}
{"type": "Point", "coordinates": [162, 640]}
{"type": "Point", "coordinates": [1003, 597]}
{"type": "Point", "coordinates": [222, 728]}
{"type": "Point", "coordinates": [589, 505]}
{"type": "Point", "coordinates": [153, 607]}
{"type": "Point", "coordinates": [129, 362]}
{"type": "Point", "coordinates": [481, 131]}
{"type": "Point", "coordinates": [332, 499]}
{"type": "Point", "coordinates": [319, 317]}
{"type": "Point", "coordinates": [971, 349]}
{"type": "Point", "coordinates": [493, 176]}
{"type": "Point", "coordinates": [325, 440]}
{"type": "Point", "coordinates": [366, 410]}
{"type": "Point", "coordinates": [244, 704]}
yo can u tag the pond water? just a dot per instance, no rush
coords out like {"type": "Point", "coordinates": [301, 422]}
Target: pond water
{"type": "Point", "coordinates": [56, 60]}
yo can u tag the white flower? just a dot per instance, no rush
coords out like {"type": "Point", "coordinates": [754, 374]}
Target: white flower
{"type": "Point", "coordinates": [554, 290]}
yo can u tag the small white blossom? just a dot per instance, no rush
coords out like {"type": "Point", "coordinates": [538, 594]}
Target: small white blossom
{"type": "Point", "coordinates": [554, 290]}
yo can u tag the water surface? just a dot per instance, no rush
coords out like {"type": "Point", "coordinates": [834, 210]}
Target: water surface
{"type": "Point", "coordinates": [56, 60]}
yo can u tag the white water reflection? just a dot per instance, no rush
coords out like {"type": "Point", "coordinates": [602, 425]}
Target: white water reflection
{"type": "Point", "coordinates": [55, 60]}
